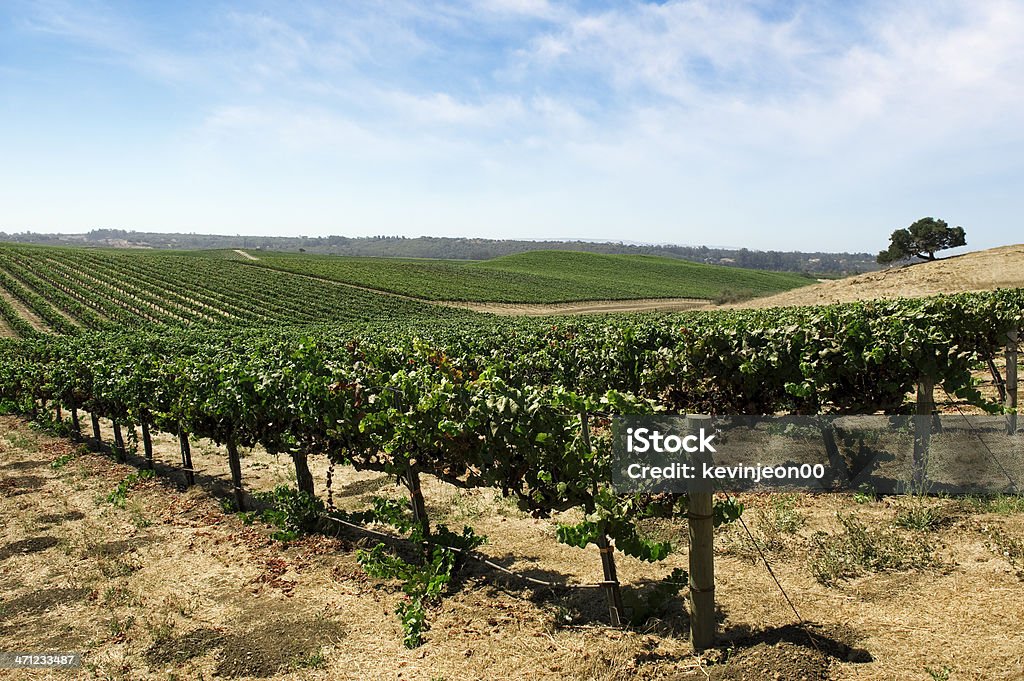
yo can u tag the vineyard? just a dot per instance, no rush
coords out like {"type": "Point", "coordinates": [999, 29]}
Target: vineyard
{"type": "Point", "coordinates": [539, 277]}
{"type": "Point", "coordinates": [236, 354]}
{"type": "Point", "coordinates": [69, 291]}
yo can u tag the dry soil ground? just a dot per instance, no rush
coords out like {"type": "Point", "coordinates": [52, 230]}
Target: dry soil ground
{"type": "Point", "coordinates": [171, 587]}
{"type": "Point", "coordinates": [586, 307]}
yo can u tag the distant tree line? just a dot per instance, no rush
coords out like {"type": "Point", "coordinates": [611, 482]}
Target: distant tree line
{"type": "Point", "coordinates": [816, 263]}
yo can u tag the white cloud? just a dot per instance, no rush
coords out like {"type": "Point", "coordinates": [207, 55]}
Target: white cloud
{"type": "Point", "coordinates": [703, 99]}
{"type": "Point", "coordinates": [110, 36]}
{"type": "Point", "coordinates": [273, 130]}
{"type": "Point", "coordinates": [540, 9]}
{"type": "Point", "coordinates": [441, 108]}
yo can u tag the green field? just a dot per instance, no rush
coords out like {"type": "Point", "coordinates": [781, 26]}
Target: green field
{"type": "Point", "coordinates": [67, 290]}
{"type": "Point", "coordinates": [539, 277]}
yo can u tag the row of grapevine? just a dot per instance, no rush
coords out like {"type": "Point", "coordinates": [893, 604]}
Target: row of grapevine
{"type": "Point", "coordinates": [518, 405]}
{"type": "Point", "coordinates": [177, 293]}
{"type": "Point", "coordinates": [49, 281]}
{"type": "Point", "coordinates": [40, 280]}
{"type": "Point", "coordinates": [310, 391]}
{"type": "Point", "coordinates": [73, 290]}
{"type": "Point", "coordinates": [15, 321]}
{"type": "Point", "coordinates": [33, 301]}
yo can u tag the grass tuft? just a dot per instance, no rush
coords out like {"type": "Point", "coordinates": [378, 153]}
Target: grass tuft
{"type": "Point", "coordinates": [857, 549]}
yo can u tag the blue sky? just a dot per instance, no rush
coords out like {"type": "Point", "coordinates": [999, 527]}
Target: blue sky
{"type": "Point", "coordinates": [795, 125]}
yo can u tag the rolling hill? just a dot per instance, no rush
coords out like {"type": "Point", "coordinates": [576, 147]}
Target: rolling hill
{"type": "Point", "coordinates": [1001, 267]}
{"type": "Point", "coordinates": [539, 277]}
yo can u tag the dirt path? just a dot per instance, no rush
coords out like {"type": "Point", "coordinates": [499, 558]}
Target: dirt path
{"type": "Point", "coordinates": [247, 256]}
{"type": "Point", "coordinates": [584, 307]}
{"type": "Point", "coordinates": [5, 330]}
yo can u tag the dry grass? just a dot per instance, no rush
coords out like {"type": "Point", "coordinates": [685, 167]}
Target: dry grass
{"type": "Point", "coordinates": [994, 268]}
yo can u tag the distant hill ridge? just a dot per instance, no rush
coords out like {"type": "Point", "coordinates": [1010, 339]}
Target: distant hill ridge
{"type": "Point", "coordinates": [819, 263]}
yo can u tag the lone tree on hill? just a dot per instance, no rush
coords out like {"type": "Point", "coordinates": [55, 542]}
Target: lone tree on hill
{"type": "Point", "coordinates": [921, 240]}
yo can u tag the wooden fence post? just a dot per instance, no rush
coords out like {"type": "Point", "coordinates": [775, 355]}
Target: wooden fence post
{"type": "Point", "coordinates": [922, 432]}
{"type": "Point", "coordinates": [1011, 382]}
{"type": "Point", "coordinates": [612, 587]}
{"type": "Point", "coordinates": [836, 461]}
{"type": "Point", "coordinates": [700, 520]}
